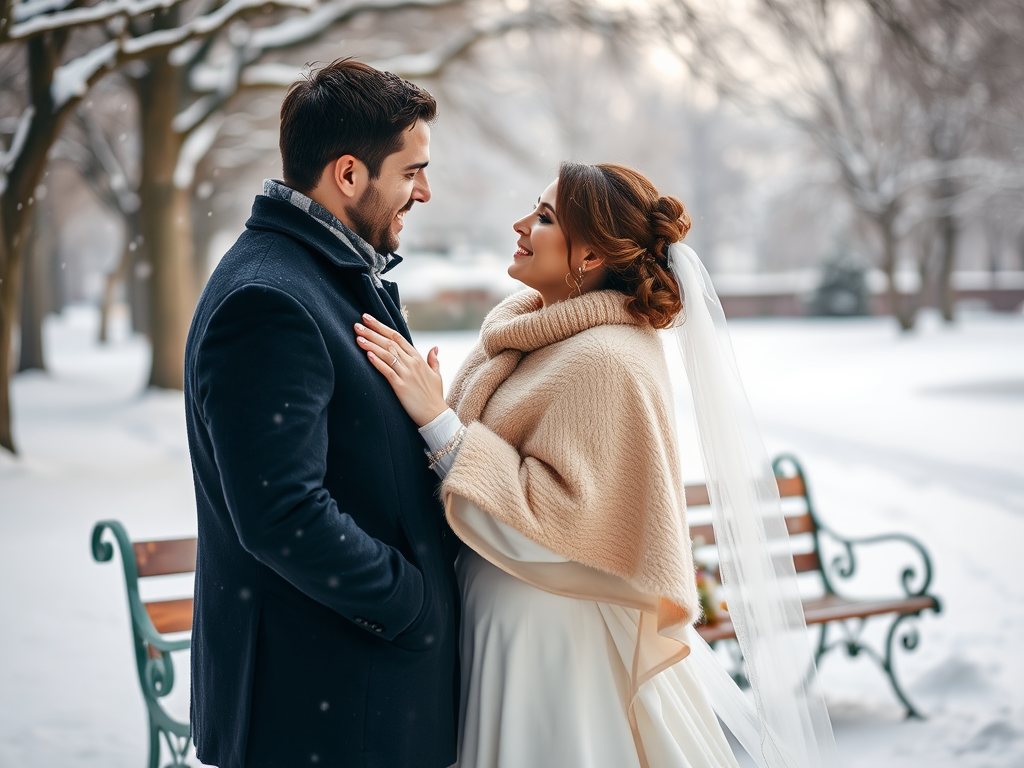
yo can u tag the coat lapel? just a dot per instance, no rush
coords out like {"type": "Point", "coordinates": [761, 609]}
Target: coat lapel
{"type": "Point", "coordinates": [393, 302]}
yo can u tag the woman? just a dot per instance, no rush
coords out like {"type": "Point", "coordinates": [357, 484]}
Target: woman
{"type": "Point", "coordinates": [560, 473]}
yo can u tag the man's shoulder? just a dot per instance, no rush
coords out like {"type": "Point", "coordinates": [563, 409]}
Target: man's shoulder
{"type": "Point", "coordinates": [266, 256]}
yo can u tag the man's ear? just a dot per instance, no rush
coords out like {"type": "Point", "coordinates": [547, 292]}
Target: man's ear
{"type": "Point", "coordinates": [349, 176]}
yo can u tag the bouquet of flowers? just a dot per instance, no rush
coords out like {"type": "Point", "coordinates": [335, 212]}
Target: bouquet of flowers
{"type": "Point", "coordinates": [709, 590]}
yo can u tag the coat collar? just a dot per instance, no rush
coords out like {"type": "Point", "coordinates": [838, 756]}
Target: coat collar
{"type": "Point", "coordinates": [273, 215]}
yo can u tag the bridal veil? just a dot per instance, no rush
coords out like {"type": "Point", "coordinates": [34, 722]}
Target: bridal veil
{"type": "Point", "coordinates": [788, 725]}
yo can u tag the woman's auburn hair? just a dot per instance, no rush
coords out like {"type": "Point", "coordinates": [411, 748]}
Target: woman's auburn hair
{"type": "Point", "coordinates": [615, 212]}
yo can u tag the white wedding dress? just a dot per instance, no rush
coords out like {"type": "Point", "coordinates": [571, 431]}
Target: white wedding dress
{"type": "Point", "coordinates": [545, 678]}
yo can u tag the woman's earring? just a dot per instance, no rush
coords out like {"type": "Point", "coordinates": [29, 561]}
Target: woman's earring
{"type": "Point", "coordinates": [577, 282]}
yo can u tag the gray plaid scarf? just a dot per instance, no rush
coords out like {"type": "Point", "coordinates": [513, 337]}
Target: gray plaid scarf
{"type": "Point", "coordinates": [377, 262]}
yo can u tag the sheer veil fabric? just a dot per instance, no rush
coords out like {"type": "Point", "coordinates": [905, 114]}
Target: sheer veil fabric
{"type": "Point", "coordinates": [788, 725]}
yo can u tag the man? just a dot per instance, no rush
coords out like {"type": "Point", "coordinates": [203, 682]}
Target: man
{"type": "Point", "coordinates": [325, 627]}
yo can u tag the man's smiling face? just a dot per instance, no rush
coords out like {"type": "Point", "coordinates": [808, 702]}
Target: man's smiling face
{"type": "Point", "coordinates": [378, 216]}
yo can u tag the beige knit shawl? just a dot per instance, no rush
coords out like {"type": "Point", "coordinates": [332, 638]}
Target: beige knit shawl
{"type": "Point", "coordinates": [571, 442]}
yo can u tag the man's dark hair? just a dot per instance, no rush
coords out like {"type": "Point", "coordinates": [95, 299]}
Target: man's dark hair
{"type": "Point", "coordinates": [347, 108]}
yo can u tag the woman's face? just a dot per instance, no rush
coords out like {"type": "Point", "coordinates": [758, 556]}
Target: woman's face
{"type": "Point", "coordinates": [541, 262]}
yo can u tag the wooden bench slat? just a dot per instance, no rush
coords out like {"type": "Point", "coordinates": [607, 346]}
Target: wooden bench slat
{"type": "Point", "coordinates": [789, 487]}
{"type": "Point", "coordinates": [806, 561]}
{"type": "Point", "coordinates": [795, 524]}
{"type": "Point", "coordinates": [160, 558]}
{"type": "Point", "coordinates": [832, 608]}
{"type": "Point", "coordinates": [696, 495]}
{"type": "Point", "coordinates": [170, 615]}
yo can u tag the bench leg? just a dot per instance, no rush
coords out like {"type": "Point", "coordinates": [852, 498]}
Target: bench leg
{"type": "Point", "coordinates": [822, 643]}
{"type": "Point", "coordinates": [908, 639]}
{"type": "Point", "coordinates": [178, 747]}
{"type": "Point", "coordinates": [154, 744]}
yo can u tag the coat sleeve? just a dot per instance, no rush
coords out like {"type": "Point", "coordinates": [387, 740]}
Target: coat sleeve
{"type": "Point", "coordinates": [263, 381]}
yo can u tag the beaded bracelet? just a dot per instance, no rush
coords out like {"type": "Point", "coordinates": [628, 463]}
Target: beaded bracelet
{"type": "Point", "coordinates": [450, 446]}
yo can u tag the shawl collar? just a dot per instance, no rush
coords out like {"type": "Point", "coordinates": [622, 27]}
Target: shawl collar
{"type": "Point", "coordinates": [523, 324]}
{"type": "Point", "coordinates": [520, 325]}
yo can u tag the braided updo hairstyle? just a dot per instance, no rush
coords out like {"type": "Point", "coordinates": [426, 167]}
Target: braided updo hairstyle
{"type": "Point", "coordinates": [618, 214]}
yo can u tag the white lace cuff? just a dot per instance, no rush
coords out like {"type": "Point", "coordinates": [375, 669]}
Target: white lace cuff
{"type": "Point", "coordinates": [438, 434]}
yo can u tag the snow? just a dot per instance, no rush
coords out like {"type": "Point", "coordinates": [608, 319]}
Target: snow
{"type": "Point", "coordinates": [424, 276]}
{"type": "Point", "coordinates": [10, 157]}
{"type": "Point", "coordinates": [39, 16]}
{"type": "Point", "coordinates": [71, 80]}
{"type": "Point", "coordinates": [920, 434]}
{"type": "Point", "coordinates": [194, 149]}
{"type": "Point", "coordinates": [30, 8]}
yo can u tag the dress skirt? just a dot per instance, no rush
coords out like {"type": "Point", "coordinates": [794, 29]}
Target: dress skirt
{"type": "Point", "coordinates": [545, 682]}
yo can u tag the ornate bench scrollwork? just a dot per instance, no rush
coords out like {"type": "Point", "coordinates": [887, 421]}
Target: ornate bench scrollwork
{"type": "Point", "coordinates": [151, 622]}
{"type": "Point", "coordinates": [836, 607]}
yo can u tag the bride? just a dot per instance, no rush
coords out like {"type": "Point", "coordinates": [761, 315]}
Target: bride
{"type": "Point", "coordinates": [560, 472]}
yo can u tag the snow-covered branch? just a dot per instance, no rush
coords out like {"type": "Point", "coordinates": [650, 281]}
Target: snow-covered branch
{"type": "Point", "coordinates": [39, 19]}
{"type": "Point", "coordinates": [425, 64]}
{"type": "Point", "coordinates": [221, 81]}
{"type": "Point", "coordinates": [303, 29]}
{"type": "Point", "coordinates": [126, 198]}
{"type": "Point", "coordinates": [32, 8]}
{"type": "Point", "coordinates": [194, 149]}
{"type": "Point", "coordinates": [72, 80]}
{"type": "Point", "coordinates": [230, 74]}
{"type": "Point", "coordinates": [8, 158]}
{"type": "Point", "coordinates": [430, 63]}
{"type": "Point", "coordinates": [208, 24]}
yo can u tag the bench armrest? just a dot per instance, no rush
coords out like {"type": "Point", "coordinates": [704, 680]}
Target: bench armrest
{"type": "Point", "coordinates": [142, 625]}
{"type": "Point", "coordinates": [844, 564]}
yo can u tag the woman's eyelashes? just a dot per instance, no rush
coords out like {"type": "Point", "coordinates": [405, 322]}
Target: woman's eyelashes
{"type": "Point", "coordinates": [543, 219]}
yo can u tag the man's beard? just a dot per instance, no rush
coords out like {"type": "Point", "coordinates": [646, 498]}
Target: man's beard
{"type": "Point", "coordinates": [371, 220]}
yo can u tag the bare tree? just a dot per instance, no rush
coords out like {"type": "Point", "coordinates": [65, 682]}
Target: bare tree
{"type": "Point", "coordinates": [889, 94]}
{"type": "Point", "coordinates": [62, 60]}
{"type": "Point", "coordinates": [962, 60]}
{"type": "Point", "coordinates": [184, 95]}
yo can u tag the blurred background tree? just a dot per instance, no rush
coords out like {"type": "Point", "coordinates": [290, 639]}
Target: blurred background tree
{"type": "Point", "coordinates": [783, 124]}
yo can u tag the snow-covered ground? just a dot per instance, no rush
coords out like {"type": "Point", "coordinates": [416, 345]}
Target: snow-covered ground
{"type": "Point", "coordinates": [922, 434]}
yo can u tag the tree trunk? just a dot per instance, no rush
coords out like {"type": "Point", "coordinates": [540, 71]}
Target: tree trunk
{"type": "Point", "coordinates": [8, 315]}
{"type": "Point", "coordinates": [901, 307]}
{"type": "Point", "coordinates": [165, 223]}
{"type": "Point", "coordinates": [949, 233]}
{"type": "Point", "coordinates": [137, 283]}
{"type": "Point", "coordinates": [16, 206]}
{"type": "Point", "coordinates": [121, 275]}
{"type": "Point", "coordinates": [37, 301]}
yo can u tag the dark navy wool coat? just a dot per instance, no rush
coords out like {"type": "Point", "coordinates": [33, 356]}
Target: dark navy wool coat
{"type": "Point", "coordinates": [325, 628]}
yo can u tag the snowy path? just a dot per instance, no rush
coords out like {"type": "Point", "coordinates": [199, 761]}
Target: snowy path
{"type": "Point", "coordinates": [922, 434]}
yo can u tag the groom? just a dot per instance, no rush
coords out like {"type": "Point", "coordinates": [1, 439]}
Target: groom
{"type": "Point", "coordinates": [325, 628]}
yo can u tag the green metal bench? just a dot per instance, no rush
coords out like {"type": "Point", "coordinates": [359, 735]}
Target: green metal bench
{"type": "Point", "coordinates": [833, 608]}
{"type": "Point", "coordinates": [151, 622]}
